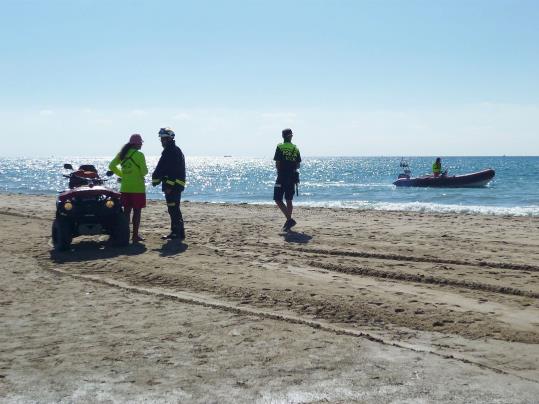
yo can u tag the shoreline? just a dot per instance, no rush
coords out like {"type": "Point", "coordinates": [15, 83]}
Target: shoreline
{"type": "Point", "coordinates": [423, 207]}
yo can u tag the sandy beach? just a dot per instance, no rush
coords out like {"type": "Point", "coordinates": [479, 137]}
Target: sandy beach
{"type": "Point", "coordinates": [352, 306]}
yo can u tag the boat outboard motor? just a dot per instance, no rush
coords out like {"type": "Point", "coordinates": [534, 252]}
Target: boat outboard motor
{"type": "Point", "coordinates": [406, 172]}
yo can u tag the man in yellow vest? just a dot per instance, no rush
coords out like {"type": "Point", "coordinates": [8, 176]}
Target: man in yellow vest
{"type": "Point", "coordinates": [437, 167]}
{"type": "Point", "coordinates": [287, 160]}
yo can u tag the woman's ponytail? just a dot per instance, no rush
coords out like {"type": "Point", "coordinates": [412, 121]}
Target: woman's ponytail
{"type": "Point", "coordinates": [124, 151]}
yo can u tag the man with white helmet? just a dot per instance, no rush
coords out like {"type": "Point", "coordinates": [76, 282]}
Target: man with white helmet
{"type": "Point", "coordinates": [170, 172]}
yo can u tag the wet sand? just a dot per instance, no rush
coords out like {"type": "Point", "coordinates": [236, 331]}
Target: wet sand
{"type": "Point", "coordinates": [353, 305]}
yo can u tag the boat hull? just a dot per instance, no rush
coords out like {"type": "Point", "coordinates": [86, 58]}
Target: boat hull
{"type": "Point", "coordinates": [472, 180]}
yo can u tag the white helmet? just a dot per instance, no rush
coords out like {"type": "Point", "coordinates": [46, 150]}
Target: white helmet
{"type": "Point", "coordinates": [166, 132]}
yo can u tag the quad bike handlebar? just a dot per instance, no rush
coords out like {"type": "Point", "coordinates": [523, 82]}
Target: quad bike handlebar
{"type": "Point", "coordinates": [73, 175]}
{"type": "Point", "coordinates": [76, 179]}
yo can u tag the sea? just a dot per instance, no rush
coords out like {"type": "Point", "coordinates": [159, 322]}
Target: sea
{"type": "Point", "coordinates": [363, 183]}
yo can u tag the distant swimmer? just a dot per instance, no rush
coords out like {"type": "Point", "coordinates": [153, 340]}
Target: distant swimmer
{"type": "Point", "coordinates": [437, 167]}
{"type": "Point", "coordinates": [133, 189]}
{"type": "Point", "coordinates": [287, 161]}
{"type": "Point", "coordinates": [170, 173]}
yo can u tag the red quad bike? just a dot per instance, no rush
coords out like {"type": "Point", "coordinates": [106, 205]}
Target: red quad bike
{"type": "Point", "coordinates": [88, 208]}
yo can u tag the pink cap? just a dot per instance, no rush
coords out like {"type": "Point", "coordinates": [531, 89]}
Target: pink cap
{"type": "Point", "coordinates": [135, 139]}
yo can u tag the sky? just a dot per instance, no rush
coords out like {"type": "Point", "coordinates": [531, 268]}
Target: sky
{"type": "Point", "coordinates": [351, 78]}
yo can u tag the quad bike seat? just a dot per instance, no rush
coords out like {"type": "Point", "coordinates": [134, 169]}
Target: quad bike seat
{"type": "Point", "coordinates": [88, 167]}
{"type": "Point", "coordinates": [85, 175]}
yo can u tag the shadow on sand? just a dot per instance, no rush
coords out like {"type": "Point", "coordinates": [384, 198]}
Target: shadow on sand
{"type": "Point", "coordinates": [172, 247]}
{"type": "Point", "coordinates": [295, 237]}
{"type": "Point", "coordinates": [94, 250]}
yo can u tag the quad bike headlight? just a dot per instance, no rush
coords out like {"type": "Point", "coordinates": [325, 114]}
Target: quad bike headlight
{"type": "Point", "coordinates": [109, 203]}
{"type": "Point", "coordinates": [68, 205]}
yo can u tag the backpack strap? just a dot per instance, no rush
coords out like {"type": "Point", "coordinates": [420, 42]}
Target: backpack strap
{"type": "Point", "coordinates": [131, 158]}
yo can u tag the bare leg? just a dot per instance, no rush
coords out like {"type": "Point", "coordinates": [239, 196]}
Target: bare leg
{"type": "Point", "coordinates": [136, 223]}
{"type": "Point", "coordinates": [285, 209]}
{"type": "Point", "coordinates": [127, 213]}
{"type": "Point", "coordinates": [289, 208]}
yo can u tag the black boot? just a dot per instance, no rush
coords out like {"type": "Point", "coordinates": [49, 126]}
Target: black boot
{"type": "Point", "coordinates": [181, 231]}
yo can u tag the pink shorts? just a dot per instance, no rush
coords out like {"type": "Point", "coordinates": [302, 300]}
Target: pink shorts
{"type": "Point", "coordinates": [133, 200]}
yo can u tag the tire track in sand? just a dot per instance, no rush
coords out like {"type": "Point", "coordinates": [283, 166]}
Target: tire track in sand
{"type": "Point", "coordinates": [376, 273]}
{"type": "Point", "coordinates": [407, 277]}
{"type": "Point", "coordinates": [407, 258]}
{"type": "Point", "coordinates": [201, 300]}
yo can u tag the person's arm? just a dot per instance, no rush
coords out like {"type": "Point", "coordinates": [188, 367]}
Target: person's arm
{"type": "Point", "coordinates": [278, 157]}
{"type": "Point", "coordinates": [157, 174]}
{"type": "Point", "coordinates": [113, 166]}
{"type": "Point", "coordinates": [298, 160]}
{"type": "Point", "coordinates": [181, 181]}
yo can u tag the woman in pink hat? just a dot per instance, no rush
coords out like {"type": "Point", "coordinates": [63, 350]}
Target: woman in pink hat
{"type": "Point", "coordinates": [132, 172]}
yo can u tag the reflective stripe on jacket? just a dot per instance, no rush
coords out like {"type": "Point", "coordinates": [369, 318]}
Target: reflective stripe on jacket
{"type": "Point", "coordinates": [170, 170]}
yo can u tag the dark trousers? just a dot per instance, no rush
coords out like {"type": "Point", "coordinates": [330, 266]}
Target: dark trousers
{"type": "Point", "coordinates": [173, 198]}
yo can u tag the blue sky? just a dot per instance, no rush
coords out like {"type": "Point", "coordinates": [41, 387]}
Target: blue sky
{"type": "Point", "coordinates": [350, 77]}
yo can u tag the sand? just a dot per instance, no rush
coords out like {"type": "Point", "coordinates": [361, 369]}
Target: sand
{"type": "Point", "coordinates": [353, 306]}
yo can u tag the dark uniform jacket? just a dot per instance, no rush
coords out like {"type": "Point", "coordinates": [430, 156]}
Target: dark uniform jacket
{"type": "Point", "coordinates": [170, 170]}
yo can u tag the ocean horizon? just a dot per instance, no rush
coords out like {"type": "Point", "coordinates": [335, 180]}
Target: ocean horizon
{"type": "Point", "coordinates": [362, 183]}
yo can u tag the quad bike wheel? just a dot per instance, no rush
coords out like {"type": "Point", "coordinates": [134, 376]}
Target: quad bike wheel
{"type": "Point", "coordinates": [61, 234]}
{"type": "Point", "coordinates": [119, 235]}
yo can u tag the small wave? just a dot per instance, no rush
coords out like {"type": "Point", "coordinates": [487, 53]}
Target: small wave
{"type": "Point", "coordinates": [342, 184]}
{"type": "Point", "coordinates": [529, 211]}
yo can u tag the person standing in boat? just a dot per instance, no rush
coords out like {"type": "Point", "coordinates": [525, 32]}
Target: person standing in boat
{"type": "Point", "coordinates": [437, 167]}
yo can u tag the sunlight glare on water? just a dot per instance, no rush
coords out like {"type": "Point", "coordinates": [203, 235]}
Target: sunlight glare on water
{"type": "Point", "coordinates": [346, 182]}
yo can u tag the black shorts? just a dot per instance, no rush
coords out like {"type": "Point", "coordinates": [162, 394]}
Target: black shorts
{"type": "Point", "coordinates": [285, 189]}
